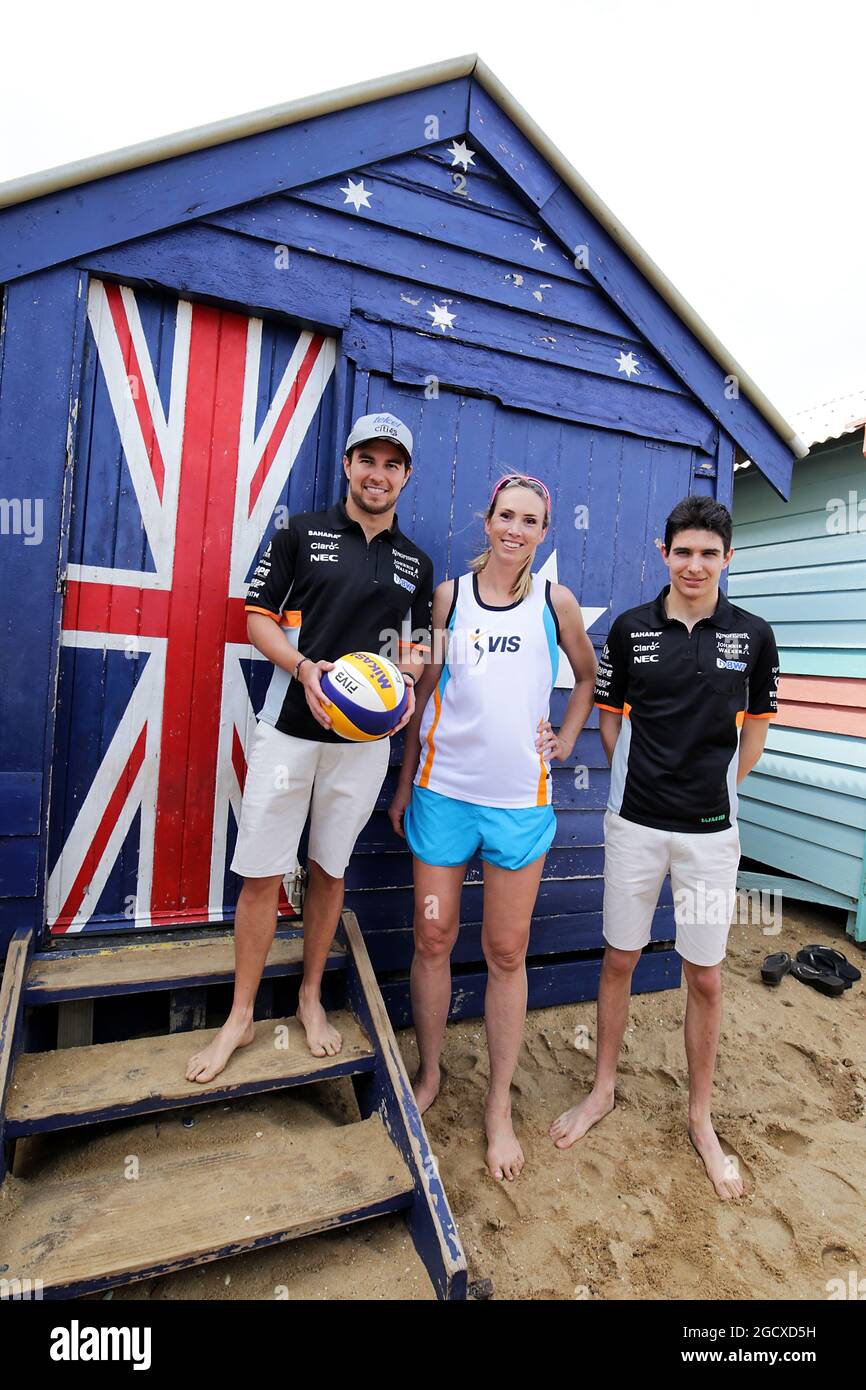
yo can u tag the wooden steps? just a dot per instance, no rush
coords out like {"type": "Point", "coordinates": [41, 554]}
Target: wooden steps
{"type": "Point", "coordinates": [131, 969]}
{"type": "Point", "coordinates": [109, 1081]}
{"type": "Point", "coordinates": [90, 1234]}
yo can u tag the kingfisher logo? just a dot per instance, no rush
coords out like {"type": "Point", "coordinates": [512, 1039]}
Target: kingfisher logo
{"type": "Point", "coordinates": [730, 665]}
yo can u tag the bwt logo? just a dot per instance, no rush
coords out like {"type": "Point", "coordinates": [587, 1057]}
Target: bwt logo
{"type": "Point", "coordinates": [78, 1343]}
{"type": "Point", "coordinates": [22, 516]}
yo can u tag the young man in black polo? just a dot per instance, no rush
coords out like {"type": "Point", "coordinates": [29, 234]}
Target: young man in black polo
{"type": "Point", "coordinates": [331, 582]}
{"type": "Point", "coordinates": [685, 688]}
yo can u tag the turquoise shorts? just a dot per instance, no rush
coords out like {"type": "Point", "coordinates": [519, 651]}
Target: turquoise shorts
{"type": "Point", "coordinates": [443, 831]}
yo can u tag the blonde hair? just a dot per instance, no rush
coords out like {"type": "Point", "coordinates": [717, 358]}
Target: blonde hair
{"type": "Point", "coordinates": [523, 583]}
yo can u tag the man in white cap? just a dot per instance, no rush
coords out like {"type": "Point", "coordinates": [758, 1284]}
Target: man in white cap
{"type": "Point", "coordinates": [330, 582]}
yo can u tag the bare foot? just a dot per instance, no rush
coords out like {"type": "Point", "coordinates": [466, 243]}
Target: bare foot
{"type": "Point", "coordinates": [574, 1123]}
{"type": "Point", "coordinates": [426, 1088]}
{"type": "Point", "coordinates": [208, 1063]}
{"type": "Point", "coordinates": [504, 1155]}
{"type": "Point", "coordinates": [721, 1168]}
{"type": "Point", "coordinates": [322, 1039]}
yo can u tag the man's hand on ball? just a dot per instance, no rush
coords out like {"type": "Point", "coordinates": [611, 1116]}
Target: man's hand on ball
{"type": "Point", "coordinates": [407, 713]}
{"type": "Point", "coordinates": [310, 678]}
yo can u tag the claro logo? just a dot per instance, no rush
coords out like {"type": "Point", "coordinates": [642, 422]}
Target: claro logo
{"type": "Point", "coordinates": [77, 1343]}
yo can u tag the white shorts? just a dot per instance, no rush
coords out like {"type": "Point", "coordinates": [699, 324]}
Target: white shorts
{"type": "Point", "coordinates": [338, 783]}
{"type": "Point", "coordinates": [703, 870]}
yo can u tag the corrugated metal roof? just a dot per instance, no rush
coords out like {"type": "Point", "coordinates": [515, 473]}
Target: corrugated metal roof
{"type": "Point", "coordinates": [831, 419]}
{"type": "Point", "coordinates": [202, 137]}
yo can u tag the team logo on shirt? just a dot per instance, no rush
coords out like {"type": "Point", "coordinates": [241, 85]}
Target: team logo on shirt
{"type": "Point", "coordinates": [325, 551]}
{"type": "Point", "coordinates": [482, 642]}
{"type": "Point", "coordinates": [732, 646]}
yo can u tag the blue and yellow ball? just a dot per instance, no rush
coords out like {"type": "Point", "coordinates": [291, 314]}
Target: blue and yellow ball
{"type": "Point", "coordinates": [367, 695]}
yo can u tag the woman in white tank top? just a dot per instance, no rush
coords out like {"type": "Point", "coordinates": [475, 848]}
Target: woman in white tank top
{"type": "Point", "coordinates": [476, 780]}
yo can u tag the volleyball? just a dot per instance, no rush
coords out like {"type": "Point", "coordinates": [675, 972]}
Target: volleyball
{"type": "Point", "coordinates": [368, 696]}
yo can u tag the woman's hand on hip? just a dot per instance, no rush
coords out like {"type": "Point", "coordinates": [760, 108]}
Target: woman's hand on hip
{"type": "Point", "coordinates": [549, 744]}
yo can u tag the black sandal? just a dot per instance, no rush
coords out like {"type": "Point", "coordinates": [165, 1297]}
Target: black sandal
{"type": "Point", "coordinates": [825, 981]}
{"type": "Point", "coordinates": [775, 967]}
{"type": "Point", "coordinates": [826, 958]}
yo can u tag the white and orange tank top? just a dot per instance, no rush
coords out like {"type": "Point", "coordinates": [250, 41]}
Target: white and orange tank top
{"type": "Point", "coordinates": [479, 727]}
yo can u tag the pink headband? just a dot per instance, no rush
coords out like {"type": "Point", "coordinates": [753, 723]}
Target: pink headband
{"type": "Point", "coordinates": [520, 478]}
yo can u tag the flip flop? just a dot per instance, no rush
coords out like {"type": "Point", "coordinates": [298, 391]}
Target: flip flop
{"type": "Point", "coordinates": [825, 981]}
{"type": "Point", "coordinates": [775, 967]}
{"type": "Point", "coordinates": [826, 958]}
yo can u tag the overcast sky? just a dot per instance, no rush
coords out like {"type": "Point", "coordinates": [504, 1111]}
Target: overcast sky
{"type": "Point", "coordinates": [728, 138]}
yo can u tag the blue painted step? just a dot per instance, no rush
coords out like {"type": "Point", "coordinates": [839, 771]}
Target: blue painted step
{"type": "Point", "coordinates": [82, 1235]}
{"type": "Point", "coordinates": [64, 974]}
{"type": "Point", "coordinates": [112, 1081]}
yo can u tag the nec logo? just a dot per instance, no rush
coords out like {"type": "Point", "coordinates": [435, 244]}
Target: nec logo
{"type": "Point", "coordinates": [325, 559]}
{"type": "Point", "coordinates": [638, 659]}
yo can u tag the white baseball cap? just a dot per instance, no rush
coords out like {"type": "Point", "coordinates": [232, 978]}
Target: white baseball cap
{"type": "Point", "coordinates": [380, 426]}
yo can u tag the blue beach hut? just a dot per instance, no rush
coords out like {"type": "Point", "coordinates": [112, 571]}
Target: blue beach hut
{"type": "Point", "coordinates": [189, 327]}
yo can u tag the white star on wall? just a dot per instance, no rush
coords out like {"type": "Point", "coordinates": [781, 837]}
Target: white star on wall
{"type": "Point", "coordinates": [461, 154]}
{"type": "Point", "coordinates": [441, 317]}
{"type": "Point", "coordinates": [627, 362]}
{"type": "Point", "coordinates": [538, 244]}
{"type": "Point", "coordinates": [565, 675]}
{"type": "Point", "coordinates": [356, 194]}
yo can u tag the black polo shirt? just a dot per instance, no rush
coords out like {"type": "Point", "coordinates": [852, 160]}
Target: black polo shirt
{"type": "Point", "coordinates": [684, 697]}
{"type": "Point", "coordinates": [326, 586]}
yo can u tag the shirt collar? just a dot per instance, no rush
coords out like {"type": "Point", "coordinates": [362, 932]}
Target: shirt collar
{"type": "Point", "coordinates": [340, 520]}
{"type": "Point", "coordinates": [720, 618]}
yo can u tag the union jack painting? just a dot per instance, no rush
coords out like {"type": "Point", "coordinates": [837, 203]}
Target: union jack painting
{"type": "Point", "coordinates": [200, 428]}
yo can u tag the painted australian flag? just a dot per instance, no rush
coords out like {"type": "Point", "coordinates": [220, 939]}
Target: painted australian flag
{"type": "Point", "coordinates": [199, 430]}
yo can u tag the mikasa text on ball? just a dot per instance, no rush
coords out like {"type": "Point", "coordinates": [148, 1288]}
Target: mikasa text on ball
{"type": "Point", "coordinates": [368, 696]}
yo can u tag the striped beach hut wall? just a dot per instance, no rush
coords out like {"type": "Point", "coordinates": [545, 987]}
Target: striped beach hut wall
{"type": "Point", "coordinates": [802, 566]}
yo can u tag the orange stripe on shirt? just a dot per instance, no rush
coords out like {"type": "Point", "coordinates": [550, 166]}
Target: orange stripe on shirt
{"type": "Point", "coordinates": [541, 794]}
{"type": "Point", "coordinates": [770, 715]}
{"type": "Point", "coordinates": [614, 709]}
{"type": "Point", "coordinates": [431, 749]}
{"type": "Point", "coordinates": [248, 608]}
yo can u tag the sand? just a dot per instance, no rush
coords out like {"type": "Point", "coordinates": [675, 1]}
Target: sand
{"type": "Point", "coordinates": [628, 1213]}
